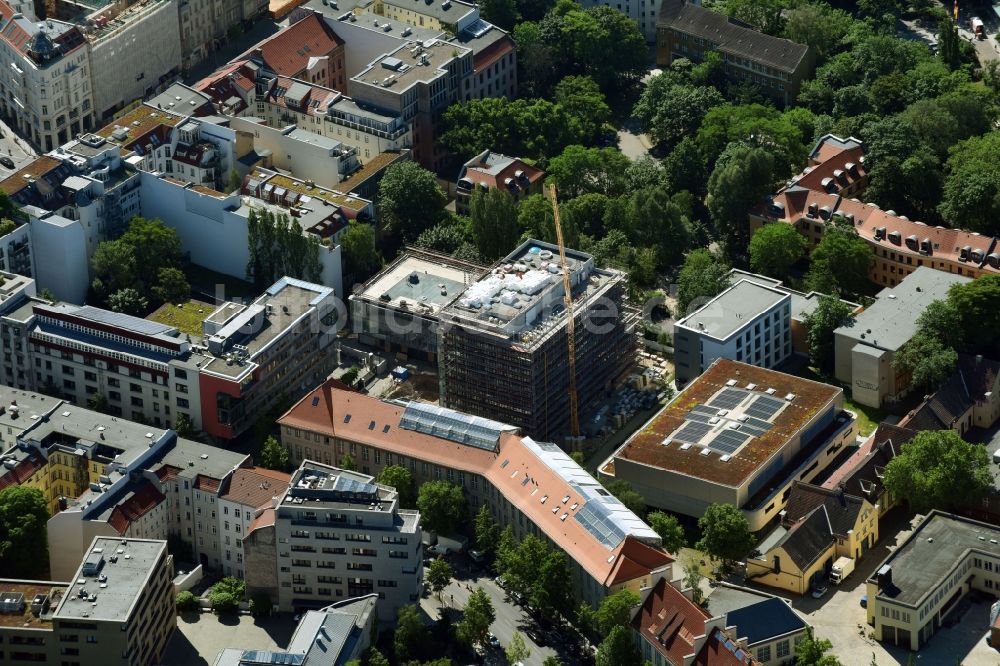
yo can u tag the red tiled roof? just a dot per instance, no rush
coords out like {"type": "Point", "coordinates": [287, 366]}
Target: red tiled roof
{"type": "Point", "coordinates": [288, 51]}
{"type": "Point", "coordinates": [207, 483]}
{"type": "Point", "coordinates": [142, 501]}
{"type": "Point", "coordinates": [264, 519]}
{"type": "Point", "coordinates": [168, 472]}
{"type": "Point", "coordinates": [634, 559]}
{"type": "Point", "coordinates": [671, 622]}
{"type": "Point", "coordinates": [254, 486]}
{"type": "Point", "coordinates": [720, 651]}
{"type": "Point", "coordinates": [24, 470]}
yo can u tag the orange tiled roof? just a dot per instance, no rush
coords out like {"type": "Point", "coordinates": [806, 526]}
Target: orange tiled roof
{"type": "Point", "coordinates": [168, 472]}
{"type": "Point", "coordinates": [142, 501]}
{"type": "Point", "coordinates": [24, 470]}
{"type": "Point", "coordinates": [254, 486]}
{"type": "Point", "coordinates": [207, 483]}
{"type": "Point", "coordinates": [288, 51]}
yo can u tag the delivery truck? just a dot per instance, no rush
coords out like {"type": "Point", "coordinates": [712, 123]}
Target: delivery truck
{"type": "Point", "coordinates": [978, 28]}
{"type": "Point", "coordinates": [842, 568]}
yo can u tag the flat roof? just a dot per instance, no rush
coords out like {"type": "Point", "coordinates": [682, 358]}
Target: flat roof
{"type": "Point", "coordinates": [803, 304]}
{"type": "Point", "coordinates": [25, 619]}
{"type": "Point", "coordinates": [27, 403]}
{"type": "Point", "coordinates": [932, 552]}
{"type": "Point", "coordinates": [125, 579]}
{"type": "Point", "coordinates": [422, 283]}
{"type": "Point", "coordinates": [891, 320]}
{"type": "Point", "coordinates": [422, 63]}
{"type": "Point", "coordinates": [195, 458]}
{"type": "Point", "coordinates": [733, 309]}
{"type": "Point", "coordinates": [661, 442]}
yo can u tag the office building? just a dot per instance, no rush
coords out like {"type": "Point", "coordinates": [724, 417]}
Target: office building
{"type": "Point", "coordinates": [865, 348]}
{"type": "Point", "coordinates": [244, 494]}
{"type": "Point", "coordinates": [738, 434]}
{"type": "Point", "coordinates": [338, 634]}
{"type": "Point", "coordinates": [503, 351]}
{"type": "Point", "coordinates": [912, 592]}
{"type": "Point", "coordinates": [534, 487]}
{"type": "Point", "coordinates": [776, 66]}
{"type": "Point", "coordinates": [337, 534]}
{"type": "Point", "coordinates": [118, 609]}
{"type": "Point", "coordinates": [399, 308]}
{"type": "Point", "coordinates": [490, 169]}
{"type": "Point", "coordinates": [764, 625]}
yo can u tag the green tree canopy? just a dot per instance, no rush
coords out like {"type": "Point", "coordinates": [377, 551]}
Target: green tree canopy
{"type": "Point", "coordinates": [622, 489]}
{"type": "Point", "coordinates": [495, 230]}
{"type": "Point", "coordinates": [476, 620]}
{"type": "Point", "coordinates": [841, 260]}
{"type": "Point", "coordinates": [583, 101]}
{"type": "Point", "coordinates": [411, 638]}
{"type": "Point", "coordinates": [742, 176]}
{"type": "Point", "coordinates": [409, 200]}
{"type": "Point", "coordinates": [616, 610]}
{"type": "Point", "coordinates": [975, 307]}
{"type": "Point", "coordinates": [618, 649]}
{"type": "Point", "coordinates": [113, 264]}
{"type": "Point", "coordinates": [930, 361]}
{"type": "Point", "coordinates": [725, 532]}
{"type": "Point", "coordinates": [551, 594]}
{"type": "Point", "coordinates": [24, 550]}
{"type": "Point", "coordinates": [811, 651]}
{"type": "Point", "coordinates": [830, 314]}
{"type": "Point", "coordinates": [129, 301]}
{"type": "Point", "coordinates": [357, 246]}
{"type": "Point", "coordinates": [671, 108]}
{"type": "Point", "coordinates": [971, 196]}
{"type": "Point", "coordinates": [277, 247]}
{"type": "Point", "coordinates": [764, 15]}
{"type": "Point", "coordinates": [703, 276]}
{"type": "Point", "coordinates": [400, 478]}
{"type": "Point", "coordinates": [439, 575]}
{"type": "Point", "coordinates": [442, 506]}
{"type": "Point", "coordinates": [172, 286]}
{"type": "Point", "coordinates": [580, 170]}
{"type": "Point", "coordinates": [487, 531]}
{"type": "Point", "coordinates": [517, 651]}
{"type": "Point", "coordinates": [818, 25]}
{"type": "Point", "coordinates": [651, 219]}
{"type": "Point", "coordinates": [274, 455]}
{"type": "Point", "coordinates": [774, 249]}
{"type": "Point", "coordinates": [154, 245]}
{"type": "Point", "coordinates": [939, 470]}
{"type": "Point", "coordinates": [669, 529]}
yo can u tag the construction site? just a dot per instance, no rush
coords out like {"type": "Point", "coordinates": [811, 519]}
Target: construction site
{"type": "Point", "coordinates": [506, 347]}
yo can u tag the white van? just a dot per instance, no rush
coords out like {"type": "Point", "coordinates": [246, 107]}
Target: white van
{"type": "Point", "coordinates": [996, 456]}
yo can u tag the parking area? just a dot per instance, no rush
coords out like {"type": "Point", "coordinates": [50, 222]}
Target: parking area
{"type": "Point", "coordinates": [510, 618]}
{"type": "Point", "coordinates": [201, 636]}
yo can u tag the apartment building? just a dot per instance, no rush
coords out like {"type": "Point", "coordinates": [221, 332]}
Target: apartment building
{"type": "Point", "coordinates": [398, 309]}
{"type": "Point", "coordinates": [912, 592]}
{"type": "Point", "coordinates": [503, 353]}
{"type": "Point", "coordinates": [830, 189]}
{"type": "Point", "coordinates": [738, 434]}
{"type": "Point", "coordinates": [775, 65]}
{"type": "Point", "coordinates": [866, 348]}
{"type": "Point", "coordinates": [764, 625]}
{"type": "Point", "coordinates": [534, 487]}
{"type": "Point", "coordinates": [245, 494]}
{"type": "Point", "coordinates": [118, 609]}
{"type": "Point", "coordinates": [46, 91]}
{"type": "Point", "coordinates": [969, 398]}
{"type": "Point", "coordinates": [338, 634]}
{"type": "Point", "coordinates": [205, 25]}
{"type": "Point", "coordinates": [338, 534]}
{"type": "Point", "coordinates": [489, 170]}
{"type": "Point", "coordinates": [308, 50]}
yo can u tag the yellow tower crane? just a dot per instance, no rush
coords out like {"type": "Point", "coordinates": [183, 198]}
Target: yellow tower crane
{"type": "Point", "coordinates": [574, 415]}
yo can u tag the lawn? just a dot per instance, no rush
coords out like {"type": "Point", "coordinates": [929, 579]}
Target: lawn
{"type": "Point", "coordinates": [868, 417]}
{"type": "Point", "coordinates": [186, 317]}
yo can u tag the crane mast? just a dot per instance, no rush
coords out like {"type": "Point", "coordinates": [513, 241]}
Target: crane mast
{"type": "Point", "coordinates": [574, 416]}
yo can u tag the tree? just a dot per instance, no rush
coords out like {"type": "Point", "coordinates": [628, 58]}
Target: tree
{"type": "Point", "coordinates": [632, 500]}
{"type": "Point", "coordinates": [171, 286]}
{"type": "Point", "coordinates": [227, 594]}
{"type": "Point", "coordinates": [616, 610]}
{"type": "Point", "coordinates": [939, 470]}
{"type": "Point", "coordinates": [552, 660]}
{"type": "Point", "coordinates": [929, 361]}
{"type": "Point", "coordinates": [260, 604]}
{"type": "Point", "coordinates": [742, 176]}
{"type": "Point", "coordinates": [841, 259]}
{"type": "Point", "coordinates": [516, 650]}
{"type": "Point", "coordinates": [651, 218]}
{"type": "Point", "coordinates": [235, 182]}
{"type": "Point", "coordinates": [685, 168]}
{"type": "Point", "coordinates": [726, 533]}
{"type": "Point", "coordinates": [811, 651]}
{"type": "Point", "coordinates": [581, 98]}
{"type": "Point", "coordinates": [114, 264]}
{"type": "Point", "coordinates": [439, 575]}
{"type": "Point", "coordinates": [948, 44]}
{"type": "Point", "coordinates": [399, 478]}
{"type": "Point", "coordinates": [409, 200]}
{"type": "Point", "coordinates": [376, 658]}
{"type": "Point", "coordinates": [24, 551]}
{"type": "Point", "coordinates": [501, 13]}
{"type": "Point", "coordinates": [669, 530]}
{"type": "Point", "coordinates": [818, 25]}
{"type": "Point", "coordinates": [442, 506]}
{"type": "Point", "coordinates": [128, 301]}
{"type": "Point", "coordinates": [971, 196]}
{"type": "Point", "coordinates": [154, 245]}
{"type": "Point", "coordinates": [347, 462]}
{"type": "Point", "coordinates": [670, 109]}
{"type": "Point", "coordinates": [692, 579]}
{"type": "Point", "coordinates": [774, 249]}
{"type": "Point", "coordinates": [186, 601]}
{"type": "Point", "coordinates": [273, 455]}
{"type": "Point", "coordinates": [703, 276]}
{"type": "Point", "coordinates": [618, 649]}
{"type": "Point", "coordinates": [520, 564]}
{"type": "Point", "coordinates": [580, 170]}
{"type": "Point", "coordinates": [476, 621]}
{"type": "Point", "coordinates": [411, 637]}
{"type": "Point", "coordinates": [183, 426]}
{"type": "Point", "coordinates": [277, 247]}
{"type": "Point", "coordinates": [599, 41]}
{"type": "Point", "coordinates": [357, 245]}
{"type": "Point", "coordinates": [975, 307]}
{"type": "Point", "coordinates": [487, 531]}
{"type": "Point", "coordinates": [763, 15]}
{"type": "Point", "coordinates": [494, 222]}
{"type": "Point", "coordinates": [98, 402]}
{"type": "Point", "coordinates": [830, 314]}
{"type": "Point", "coordinates": [551, 592]}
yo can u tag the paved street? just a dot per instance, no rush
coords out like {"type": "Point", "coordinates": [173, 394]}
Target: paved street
{"type": "Point", "coordinates": [509, 618]}
{"type": "Point", "coordinates": [15, 148]}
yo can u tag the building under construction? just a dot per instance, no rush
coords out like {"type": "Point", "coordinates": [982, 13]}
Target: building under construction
{"type": "Point", "coordinates": [503, 348]}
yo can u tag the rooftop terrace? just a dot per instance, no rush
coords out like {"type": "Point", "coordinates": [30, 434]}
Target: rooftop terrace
{"type": "Point", "coordinates": [767, 407]}
{"type": "Point", "coordinates": [405, 67]}
{"type": "Point", "coordinates": [24, 617]}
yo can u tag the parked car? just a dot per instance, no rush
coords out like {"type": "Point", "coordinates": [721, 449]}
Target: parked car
{"type": "Point", "coordinates": [864, 601]}
{"type": "Point", "coordinates": [7, 162]}
{"type": "Point", "coordinates": [818, 592]}
{"type": "Point", "coordinates": [493, 640]}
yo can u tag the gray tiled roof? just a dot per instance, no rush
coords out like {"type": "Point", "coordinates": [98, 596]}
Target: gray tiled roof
{"type": "Point", "coordinates": [727, 35]}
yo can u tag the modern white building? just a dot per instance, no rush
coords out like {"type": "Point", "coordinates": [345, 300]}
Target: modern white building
{"type": "Point", "coordinates": [245, 494]}
{"type": "Point", "coordinates": [338, 534]}
{"type": "Point", "coordinates": [749, 322]}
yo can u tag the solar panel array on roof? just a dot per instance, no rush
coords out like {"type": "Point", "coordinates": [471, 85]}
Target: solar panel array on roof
{"type": "Point", "coordinates": [596, 518]}
{"type": "Point", "coordinates": [128, 322]}
{"type": "Point", "coordinates": [728, 398]}
{"type": "Point", "coordinates": [764, 407]}
{"type": "Point", "coordinates": [261, 657]}
{"type": "Point", "coordinates": [346, 485]}
{"type": "Point", "coordinates": [692, 432]}
{"type": "Point", "coordinates": [702, 410]}
{"type": "Point", "coordinates": [728, 441]}
{"type": "Point", "coordinates": [448, 424]}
